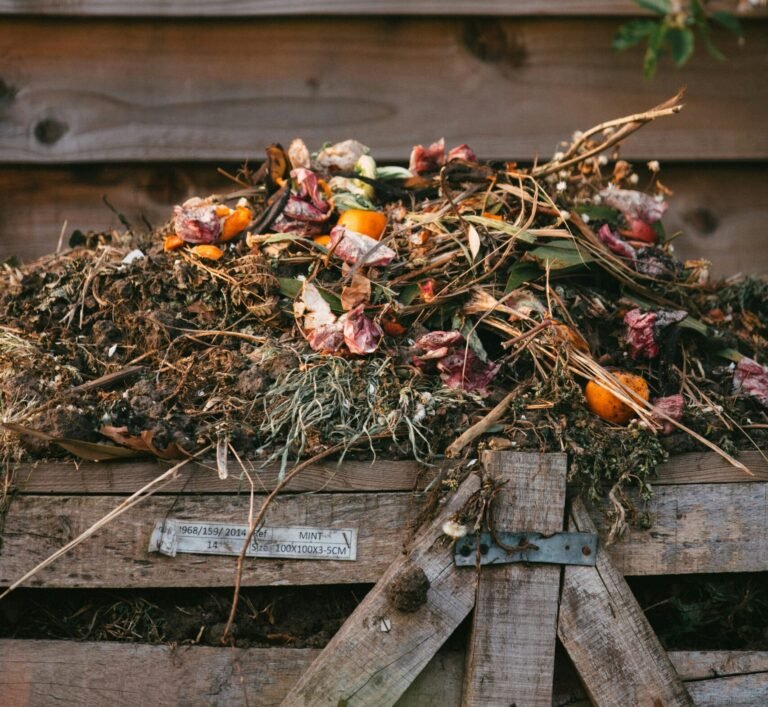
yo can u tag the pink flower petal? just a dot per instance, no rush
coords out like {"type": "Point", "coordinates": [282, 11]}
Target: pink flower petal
{"type": "Point", "coordinates": [641, 334]}
{"type": "Point", "coordinates": [427, 159]}
{"type": "Point", "coordinates": [671, 406]}
{"type": "Point", "coordinates": [309, 189]}
{"type": "Point", "coordinates": [327, 337]}
{"type": "Point", "coordinates": [615, 242]}
{"type": "Point", "coordinates": [634, 204]}
{"type": "Point", "coordinates": [353, 248]}
{"type": "Point", "coordinates": [361, 334]}
{"type": "Point", "coordinates": [438, 339]}
{"type": "Point", "coordinates": [196, 221]}
{"type": "Point", "coordinates": [462, 152]}
{"type": "Point", "coordinates": [751, 378]}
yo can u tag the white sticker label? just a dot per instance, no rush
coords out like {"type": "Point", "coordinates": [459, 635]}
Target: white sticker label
{"type": "Point", "coordinates": [172, 536]}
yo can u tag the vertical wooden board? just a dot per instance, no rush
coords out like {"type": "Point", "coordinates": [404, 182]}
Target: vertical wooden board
{"type": "Point", "coordinates": [512, 647]}
{"type": "Point", "coordinates": [380, 650]}
{"type": "Point", "coordinates": [609, 640]}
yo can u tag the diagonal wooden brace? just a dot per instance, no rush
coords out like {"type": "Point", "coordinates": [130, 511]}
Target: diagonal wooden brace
{"type": "Point", "coordinates": [381, 649]}
{"type": "Point", "coordinates": [613, 647]}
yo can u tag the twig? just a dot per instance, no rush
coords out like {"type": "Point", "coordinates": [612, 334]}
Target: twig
{"type": "Point", "coordinates": [144, 492]}
{"type": "Point", "coordinates": [480, 427]}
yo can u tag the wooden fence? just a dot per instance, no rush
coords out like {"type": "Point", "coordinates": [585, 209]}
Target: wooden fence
{"type": "Point", "coordinates": [707, 517]}
{"type": "Point", "coordinates": [139, 102]}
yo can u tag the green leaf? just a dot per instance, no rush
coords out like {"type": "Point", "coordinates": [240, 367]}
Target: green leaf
{"type": "Point", "coordinates": [727, 20]}
{"type": "Point", "coordinates": [660, 7]}
{"type": "Point", "coordinates": [519, 274]}
{"type": "Point", "coordinates": [632, 33]}
{"type": "Point", "coordinates": [712, 50]}
{"type": "Point", "coordinates": [392, 172]}
{"type": "Point", "coordinates": [408, 294]}
{"type": "Point", "coordinates": [563, 256]}
{"type": "Point", "coordinates": [681, 42]}
{"type": "Point", "coordinates": [655, 42]}
{"type": "Point", "coordinates": [596, 212]}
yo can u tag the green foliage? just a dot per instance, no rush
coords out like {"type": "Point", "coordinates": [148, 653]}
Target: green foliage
{"type": "Point", "coordinates": [674, 30]}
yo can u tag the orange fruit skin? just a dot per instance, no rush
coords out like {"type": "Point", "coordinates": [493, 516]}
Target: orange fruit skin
{"type": "Point", "coordinates": [236, 223]}
{"type": "Point", "coordinates": [606, 405]}
{"type": "Point", "coordinates": [209, 252]}
{"type": "Point", "coordinates": [172, 242]}
{"type": "Point", "coordinates": [324, 241]}
{"type": "Point", "coordinates": [369, 223]}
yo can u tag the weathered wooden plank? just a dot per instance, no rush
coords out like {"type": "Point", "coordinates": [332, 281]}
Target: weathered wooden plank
{"type": "Point", "coordinates": [72, 477]}
{"type": "Point", "coordinates": [618, 657]}
{"type": "Point", "coordinates": [700, 665]}
{"type": "Point", "coordinates": [380, 649]}
{"type": "Point", "coordinates": [710, 468]}
{"type": "Point", "coordinates": [38, 673]}
{"type": "Point", "coordinates": [695, 528]}
{"type": "Point", "coordinates": [251, 8]}
{"type": "Point", "coordinates": [511, 655]}
{"type": "Point", "coordinates": [713, 678]}
{"type": "Point", "coordinates": [65, 477]}
{"type": "Point", "coordinates": [117, 556]}
{"type": "Point", "coordinates": [177, 90]}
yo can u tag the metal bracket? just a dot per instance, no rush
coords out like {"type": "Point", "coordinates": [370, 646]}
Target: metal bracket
{"type": "Point", "coordinates": [557, 549]}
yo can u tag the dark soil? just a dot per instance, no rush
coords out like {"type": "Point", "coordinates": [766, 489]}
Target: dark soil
{"type": "Point", "coordinates": [298, 617]}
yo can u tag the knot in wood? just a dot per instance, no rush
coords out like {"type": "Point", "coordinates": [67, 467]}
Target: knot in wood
{"type": "Point", "coordinates": [408, 590]}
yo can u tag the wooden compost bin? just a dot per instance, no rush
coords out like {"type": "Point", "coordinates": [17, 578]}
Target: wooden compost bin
{"type": "Point", "coordinates": [707, 517]}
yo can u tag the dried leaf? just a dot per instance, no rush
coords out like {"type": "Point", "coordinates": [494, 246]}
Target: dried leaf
{"type": "Point", "coordinates": [358, 291]}
{"type": "Point", "coordinates": [142, 443]}
{"type": "Point", "coordinates": [90, 451]}
{"type": "Point", "coordinates": [474, 241]}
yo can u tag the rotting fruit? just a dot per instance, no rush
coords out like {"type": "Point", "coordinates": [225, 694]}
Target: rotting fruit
{"type": "Point", "coordinates": [605, 404]}
{"type": "Point", "coordinates": [369, 223]}
{"type": "Point", "coordinates": [209, 252]}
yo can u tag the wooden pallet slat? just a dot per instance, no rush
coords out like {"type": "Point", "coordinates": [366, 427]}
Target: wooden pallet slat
{"type": "Point", "coordinates": [67, 477]}
{"type": "Point", "coordinates": [511, 653]}
{"type": "Point", "coordinates": [618, 657]}
{"type": "Point", "coordinates": [178, 90]}
{"type": "Point", "coordinates": [695, 528]}
{"type": "Point", "coordinates": [117, 556]}
{"type": "Point", "coordinates": [380, 649]}
{"type": "Point", "coordinates": [251, 8]}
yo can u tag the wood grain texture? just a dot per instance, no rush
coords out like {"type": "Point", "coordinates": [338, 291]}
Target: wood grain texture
{"type": "Point", "coordinates": [511, 654]}
{"type": "Point", "coordinates": [710, 468]}
{"type": "Point", "coordinates": [117, 556]}
{"type": "Point", "coordinates": [694, 529]}
{"type": "Point", "coordinates": [380, 649]}
{"type": "Point", "coordinates": [701, 665]}
{"type": "Point", "coordinates": [251, 8]}
{"type": "Point", "coordinates": [721, 209]}
{"type": "Point", "coordinates": [203, 90]}
{"type": "Point", "coordinates": [70, 477]}
{"type": "Point", "coordinates": [613, 648]}
{"type": "Point", "coordinates": [38, 673]}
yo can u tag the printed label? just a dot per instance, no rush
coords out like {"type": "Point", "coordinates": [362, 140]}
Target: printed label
{"type": "Point", "coordinates": [172, 536]}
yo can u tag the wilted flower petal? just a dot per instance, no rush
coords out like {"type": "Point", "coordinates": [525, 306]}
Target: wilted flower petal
{"type": "Point", "coordinates": [353, 247]}
{"type": "Point", "coordinates": [751, 378]}
{"type": "Point", "coordinates": [615, 242]}
{"type": "Point", "coordinates": [634, 204]}
{"type": "Point", "coordinates": [669, 407]}
{"type": "Point", "coordinates": [196, 221]}
{"type": "Point", "coordinates": [427, 159]}
{"type": "Point", "coordinates": [342, 156]}
{"type": "Point", "coordinates": [462, 152]}
{"type": "Point", "coordinates": [361, 334]}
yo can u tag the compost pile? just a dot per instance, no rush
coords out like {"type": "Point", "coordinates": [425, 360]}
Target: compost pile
{"type": "Point", "coordinates": [334, 305]}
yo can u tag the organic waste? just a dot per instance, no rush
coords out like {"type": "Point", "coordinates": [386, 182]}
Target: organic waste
{"type": "Point", "coordinates": [332, 304]}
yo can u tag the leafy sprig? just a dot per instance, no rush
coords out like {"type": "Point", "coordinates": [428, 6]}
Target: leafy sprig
{"type": "Point", "coordinates": [674, 29]}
